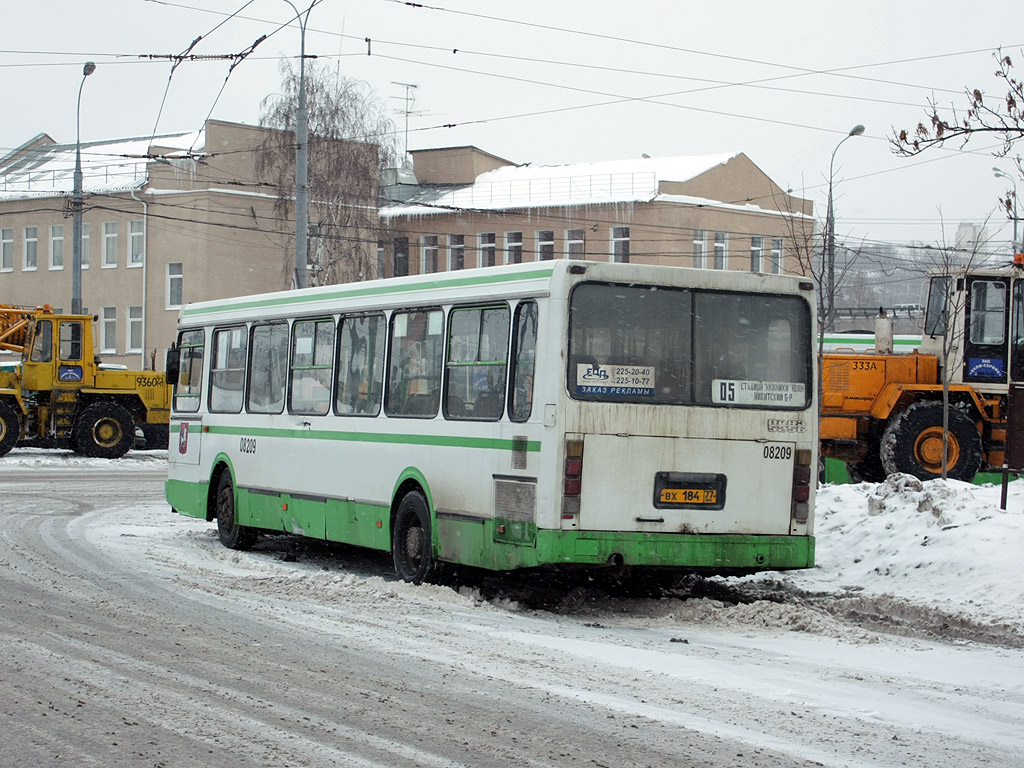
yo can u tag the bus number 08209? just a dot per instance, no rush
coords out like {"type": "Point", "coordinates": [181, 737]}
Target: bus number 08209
{"type": "Point", "coordinates": [247, 445]}
{"type": "Point", "coordinates": [781, 452]}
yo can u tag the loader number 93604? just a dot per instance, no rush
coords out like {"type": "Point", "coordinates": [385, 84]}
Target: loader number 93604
{"type": "Point", "coordinates": [781, 452]}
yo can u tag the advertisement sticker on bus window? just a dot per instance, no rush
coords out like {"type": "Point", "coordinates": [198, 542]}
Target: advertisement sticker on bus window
{"type": "Point", "coordinates": [612, 380]}
{"type": "Point", "coordinates": [741, 392]}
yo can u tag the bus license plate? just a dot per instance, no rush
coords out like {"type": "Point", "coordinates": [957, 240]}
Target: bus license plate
{"type": "Point", "coordinates": [689, 496]}
{"type": "Point", "coordinates": [689, 490]}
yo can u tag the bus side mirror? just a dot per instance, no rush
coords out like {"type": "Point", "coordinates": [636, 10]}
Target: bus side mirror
{"type": "Point", "coordinates": [172, 365]}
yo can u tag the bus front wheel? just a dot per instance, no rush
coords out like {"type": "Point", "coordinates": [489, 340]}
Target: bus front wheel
{"type": "Point", "coordinates": [410, 543]}
{"type": "Point", "coordinates": [231, 534]}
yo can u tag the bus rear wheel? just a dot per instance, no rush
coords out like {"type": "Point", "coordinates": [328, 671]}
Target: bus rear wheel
{"type": "Point", "coordinates": [411, 541]}
{"type": "Point", "coordinates": [231, 534]}
{"type": "Point", "coordinates": [913, 444]}
{"type": "Point", "coordinates": [10, 428]}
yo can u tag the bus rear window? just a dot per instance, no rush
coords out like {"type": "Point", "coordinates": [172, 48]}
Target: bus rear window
{"type": "Point", "coordinates": [649, 344]}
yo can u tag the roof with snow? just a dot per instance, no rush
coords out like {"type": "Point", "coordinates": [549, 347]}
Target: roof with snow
{"type": "Point", "coordinates": [605, 182]}
{"type": "Point", "coordinates": [118, 165]}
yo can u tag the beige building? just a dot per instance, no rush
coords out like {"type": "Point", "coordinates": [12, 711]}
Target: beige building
{"type": "Point", "coordinates": [462, 207]}
{"type": "Point", "coordinates": [189, 217]}
{"type": "Point", "coordinates": [166, 221]}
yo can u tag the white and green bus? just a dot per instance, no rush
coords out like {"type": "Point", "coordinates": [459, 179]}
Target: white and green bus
{"type": "Point", "coordinates": [554, 414]}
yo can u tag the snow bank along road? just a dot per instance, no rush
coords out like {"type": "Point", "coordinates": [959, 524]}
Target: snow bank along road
{"type": "Point", "coordinates": [130, 637]}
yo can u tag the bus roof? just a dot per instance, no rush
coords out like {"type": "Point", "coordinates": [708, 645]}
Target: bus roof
{"type": "Point", "coordinates": [499, 282]}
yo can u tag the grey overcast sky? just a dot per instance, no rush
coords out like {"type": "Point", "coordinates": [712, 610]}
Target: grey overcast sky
{"type": "Point", "coordinates": [564, 81]}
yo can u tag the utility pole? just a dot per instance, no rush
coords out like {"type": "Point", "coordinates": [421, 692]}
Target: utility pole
{"type": "Point", "coordinates": [830, 235]}
{"type": "Point", "coordinates": [76, 202]}
{"type": "Point", "coordinates": [302, 161]}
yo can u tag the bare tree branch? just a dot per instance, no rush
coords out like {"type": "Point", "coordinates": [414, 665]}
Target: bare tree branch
{"type": "Point", "coordinates": [351, 139]}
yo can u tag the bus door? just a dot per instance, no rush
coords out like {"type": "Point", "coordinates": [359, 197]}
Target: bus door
{"type": "Point", "coordinates": [986, 322]}
{"type": "Point", "coordinates": [186, 417]}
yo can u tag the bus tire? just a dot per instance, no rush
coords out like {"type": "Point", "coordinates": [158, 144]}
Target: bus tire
{"type": "Point", "coordinates": [10, 427]}
{"type": "Point", "coordinates": [231, 534]}
{"type": "Point", "coordinates": [411, 541]}
{"type": "Point", "coordinates": [912, 443]}
{"type": "Point", "coordinates": [104, 430]}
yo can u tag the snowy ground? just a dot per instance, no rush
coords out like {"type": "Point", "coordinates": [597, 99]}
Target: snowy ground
{"type": "Point", "coordinates": [902, 647]}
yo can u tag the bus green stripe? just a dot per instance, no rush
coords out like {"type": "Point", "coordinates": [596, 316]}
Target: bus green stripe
{"type": "Point", "coordinates": [379, 290]}
{"type": "Point", "coordinates": [486, 443]}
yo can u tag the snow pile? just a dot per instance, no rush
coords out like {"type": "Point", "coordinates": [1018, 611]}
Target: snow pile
{"type": "Point", "coordinates": [945, 544]}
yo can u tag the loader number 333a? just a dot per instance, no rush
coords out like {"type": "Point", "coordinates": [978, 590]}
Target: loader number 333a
{"type": "Point", "coordinates": [781, 452]}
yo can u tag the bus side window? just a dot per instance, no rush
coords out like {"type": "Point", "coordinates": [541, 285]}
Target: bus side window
{"type": "Point", "coordinates": [268, 367]}
{"type": "Point", "coordinates": [524, 357]}
{"type": "Point", "coordinates": [311, 371]}
{"type": "Point", "coordinates": [477, 361]}
{"type": "Point", "coordinates": [414, 383]}
{"type": "Point", "coordinates": [227, 370]}
{"type": "Point", "coordinates": [360, 366]}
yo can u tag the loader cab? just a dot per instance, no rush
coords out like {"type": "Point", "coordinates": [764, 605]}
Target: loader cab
{"type": "Point", "coordinates": [59, 354]}
{"type": "Point", "coordinates": [978, 319]}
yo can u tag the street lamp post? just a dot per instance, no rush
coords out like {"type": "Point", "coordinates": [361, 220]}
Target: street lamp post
{"type": "Point", "coordinates": [1000, 175]}
{"type": "Point", "coordinates": [830, 233]}
{"type": "Point", "coordinates": [76, 202]}
{"type": "Point", "coordinates": [301, 160]}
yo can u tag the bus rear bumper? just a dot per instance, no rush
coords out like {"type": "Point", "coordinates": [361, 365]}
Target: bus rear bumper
{"type": "Point", "coordinates": [717, 552]}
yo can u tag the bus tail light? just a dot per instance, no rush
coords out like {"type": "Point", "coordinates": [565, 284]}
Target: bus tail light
{"type": "Point", "coordinates": [572, 479]}
{"type": "Point", "coordinates": [802, 486]}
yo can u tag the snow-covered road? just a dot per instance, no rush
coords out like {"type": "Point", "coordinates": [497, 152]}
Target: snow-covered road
{"type": "Point", "coordinates": [132, 638]}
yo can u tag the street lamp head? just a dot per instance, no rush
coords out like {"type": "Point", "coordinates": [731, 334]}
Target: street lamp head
{"type": "Point", "coordinates": [857, 130]}
{"type": "Point", "coordinates": [89, 68]}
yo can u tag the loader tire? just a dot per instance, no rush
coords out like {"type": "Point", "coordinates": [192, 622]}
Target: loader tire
{"type": "Point", "coordinates": [10, 428]}
{"type": "Point", "coordinates": [912, 444]}
{"type": "Point", "coordinates": [104, 430]}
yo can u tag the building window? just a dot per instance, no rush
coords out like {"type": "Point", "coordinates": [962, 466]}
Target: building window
{"type": "Point", "coordinates": [546, 245]}
{"type": "Point", "coordinates": [31, 248]}
{"type": "Point", "coordinates": [428, 254]}
{"type": "Point", "coordinates": [57, 246]}
{"type": "Point", "coordinates": [620, 245]}
{"type": "Point", "coordinates": [400, 256]}
{"type": "Point", "coordinates": [380, 258]}
{"type": "Point", "coordinates": [109, 330]}
{"type": "Point", "coordinates": [110, 244]}
{"type": "Point", "coordinates": [513, 247]}
{"type": "Point", "coordinates": [757, 253]}
{"type": "Point", "coordinates": [575, 246]}
{"type": "Point", "coordinates": [136, 243]}
{"type": "Point", "coordinates": [721, 250]}
{"type": "Point", "coordinates": [134, 337]}
{"type": "Point", "coordinates": [175, 280]}
{"type": "Point", "coordinates": [7, 250]}
{"type": "Point", "coordinates": [85, 245]}
{"type": "Point", "coordinates": [488, 247]}
{"type": "Point", "coordinates": [777, 249]}
{"type": "Point", "coordinates": [456, 252]}
{"type": "Point", "coordinates": [700, 248]}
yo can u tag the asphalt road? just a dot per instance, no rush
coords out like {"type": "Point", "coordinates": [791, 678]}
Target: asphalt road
{"type": "Point", "coordinates": [131, 638]}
